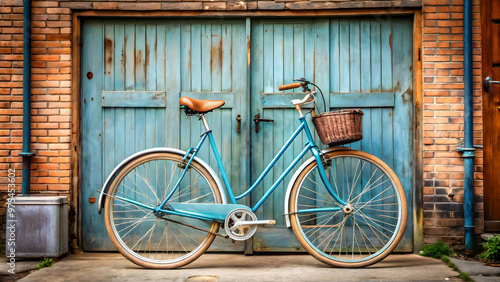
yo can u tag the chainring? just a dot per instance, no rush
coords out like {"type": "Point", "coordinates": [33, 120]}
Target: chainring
{"type": "Point", "coordinates": [240, 232]}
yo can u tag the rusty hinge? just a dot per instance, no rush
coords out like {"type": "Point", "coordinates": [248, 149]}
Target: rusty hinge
{"type": "Point", "coordinates": [79, 40]}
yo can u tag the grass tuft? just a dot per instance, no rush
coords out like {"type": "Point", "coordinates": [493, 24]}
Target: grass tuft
{"type": "Point", "coordinates": [465, 276]}
{"type": "Point", "coordinates": [436, 250]}
{"type": "Point", "coordinates": [46, 262]}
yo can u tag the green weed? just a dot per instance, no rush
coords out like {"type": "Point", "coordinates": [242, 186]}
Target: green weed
{"type": "Point", "coordinates": [465, 276]}
{"type": "Point", "coordinates": [46, 262]}
{"type": "Point", "coordinates": [436, 250]}
{"type": "Point", "coordinates": [491, 249]}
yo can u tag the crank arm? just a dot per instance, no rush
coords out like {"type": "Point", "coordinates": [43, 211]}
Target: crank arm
{"type": "Point", "coordinates": [256, 222]}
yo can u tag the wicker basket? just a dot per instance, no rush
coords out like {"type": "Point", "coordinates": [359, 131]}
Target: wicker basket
{"type": "Point", "coordinates": [339, 127]}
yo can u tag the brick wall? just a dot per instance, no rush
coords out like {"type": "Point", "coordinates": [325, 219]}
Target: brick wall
{"type": "Point", "coordinates": [442, 54]}
{"type": "Point", "coordinates": [51, 92]}
{"type": "Point", "coordinates": [443, 71]}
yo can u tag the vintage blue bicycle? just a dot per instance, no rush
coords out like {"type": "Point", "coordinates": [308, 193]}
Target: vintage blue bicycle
{"type": "Point", "coordinates": [163, 207]}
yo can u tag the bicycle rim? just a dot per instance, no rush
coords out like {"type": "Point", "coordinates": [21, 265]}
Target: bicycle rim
{"type": "Point", "coordinates": [146, 239]}
{"type": "Point", "coordinates": [349, 238]}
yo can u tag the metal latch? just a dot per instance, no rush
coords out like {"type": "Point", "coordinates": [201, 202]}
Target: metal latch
{"type": "Point", "coordinates": [257, 119]}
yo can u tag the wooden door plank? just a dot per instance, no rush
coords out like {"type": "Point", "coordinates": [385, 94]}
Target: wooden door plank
{"type": "Point", "coordinates": [343, 55]}
{"type": "Point", "coordinates": [173, 78]}
{"type": "Point", "coordinates": [386, 55]}
{"type": "Point", "coordinates": [161, 57]}
{"type": "Point", "coordinates": [494, 126]}
{"type": "Point", "coordinates": [277, 199]}
{"type": "Point", "coordinates": [108, 114]}
{"type": "Point", "coordinates": [334, 56]}
{"type": "Point", "coordinates": [354, 55]}
{"type": "Point", "coordinates": [267, 71]}
{"type": "Point", "coordinates": [129, 57]}
{"type": "Point", "coordinates": [257, 66]}
{"type": "Point", "coordinates": [109, 41]}
{"type": "Point", "coordinates": [495, 43]}
{"type": "Point", "coordinates": [495, 9]}
{"type": "Point", "coordinates": [109, 141]}
{"type": "Point", "coordinates": [206, 57]}
{"type": "Point", "coordinates": [185, 65]}
{"type": "Point", "coordinates": [403, 114]}
{"type": "Point", "coordinates": [322, 62]}
{"type": "Point", "coordinates": [375, 56]}
{"type": "Point", "coordinates": [239, 84]}
{"type": "Point", "coordinates": [288, 74]}
{"type": "Point", "coordinates": [278, 58]}
{"type": "Point", "coordinates": [309, 51]}
{"type": "Point", "coordinates": [365, 56]}
{"type": "Point", "coordinates": [298, 52]}
{"type": "Point", "coordinates": [151, 57]}
{"type": "Point", "coordinates": [119, 62]}
{"type": "Point", "coordinates": [140, 57]}
{"type": "Point", "coordinates": [226, 54]}
{"type": "Point", "coordinates": [297, 41]}
{"type": "Point", "coordinates": [92, 132]}
{"type": "Point", "coordinates": [195, 58]}
{"type": "Point", "coordinates": [279, 120]}
{"type": "Point", "coordinates": [161, 65]}
{"type": "Point", "coordinates": [362, 100]}
{"type": "Point", "coordinates": [127, 99]}
{"type": "Point", "coordinates": [216, 57]}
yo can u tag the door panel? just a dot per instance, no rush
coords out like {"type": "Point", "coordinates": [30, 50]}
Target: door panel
{"type": "Point", "coordinates": [358, 63]}
{"type": "Point", "coordinates": [281, 50]}
{"type": "Point", "coordinates": [139, 71]}
{"type": "Point", "coordinates": [490, 17]}
{"type": "Point", "coordinates": [375, 59]}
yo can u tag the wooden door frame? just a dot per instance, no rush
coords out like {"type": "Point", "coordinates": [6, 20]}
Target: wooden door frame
{"type": "Point", "coordinates": [75, 227]}
{"type": "Point", "coordinates": [486, 70]}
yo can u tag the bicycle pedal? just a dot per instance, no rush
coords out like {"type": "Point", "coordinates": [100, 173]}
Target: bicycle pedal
{"type": "Point", "coordinates": [267, 222]}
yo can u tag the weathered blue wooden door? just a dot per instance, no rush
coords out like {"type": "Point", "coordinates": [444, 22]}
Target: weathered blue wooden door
{"type": "Point", "coordinates": [133, 74]}
{"type": "Point", "coordinates": [359, 63]}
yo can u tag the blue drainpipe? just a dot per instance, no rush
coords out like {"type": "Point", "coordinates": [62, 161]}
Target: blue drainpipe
{"type": "Point", "coordinates": [26, 153]}
{"type": "Point", "coordinates": [468, 150]}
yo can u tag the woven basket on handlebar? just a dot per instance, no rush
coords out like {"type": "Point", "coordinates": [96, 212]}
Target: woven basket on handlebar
{"type": "Point", "coordinates": [339, 127]}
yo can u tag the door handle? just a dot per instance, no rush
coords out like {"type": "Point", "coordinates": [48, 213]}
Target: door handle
{"type": "Point", "coordinates": [257, 119]}
{"type": "Point", "coordinates": [238, 120]}
{"type": "Point", "coordinates": [488, 82]}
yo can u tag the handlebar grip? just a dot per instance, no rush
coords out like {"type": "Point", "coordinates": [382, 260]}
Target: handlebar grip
{"type": "Point", "coordinates": [290, 86]}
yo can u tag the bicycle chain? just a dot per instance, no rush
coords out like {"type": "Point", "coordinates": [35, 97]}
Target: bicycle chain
{"type": "Point", "coordinates": [196, 227]}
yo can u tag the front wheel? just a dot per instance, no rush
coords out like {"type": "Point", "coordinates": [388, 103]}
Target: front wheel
{"type": "Point", "coordinates": [141, 236]}
{"type": "Point", "coordinates": [363, 232]}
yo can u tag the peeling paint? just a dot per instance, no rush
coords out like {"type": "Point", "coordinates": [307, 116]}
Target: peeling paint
{"type": "Point", "coordinates": [108, 56]}
{"type": "Point", "coordinates": [390, 41]}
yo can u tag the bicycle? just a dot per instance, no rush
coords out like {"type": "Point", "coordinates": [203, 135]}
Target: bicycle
{"type": "Point", "coordinates": [163, 207]}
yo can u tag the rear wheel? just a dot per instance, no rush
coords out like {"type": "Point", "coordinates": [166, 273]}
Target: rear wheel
{"type": "Point", "coordinates": [361, 233]}
{"type": "Point", "coordinates": [146, 239]}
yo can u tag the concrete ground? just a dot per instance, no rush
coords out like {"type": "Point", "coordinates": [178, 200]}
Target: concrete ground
{"type": "Point", "coordinates": [478, 271]}
{"type": "Point", "coordinates": [238, 267]}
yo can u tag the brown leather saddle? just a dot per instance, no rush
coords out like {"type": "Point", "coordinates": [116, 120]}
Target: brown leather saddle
{"type": "Point", "coordinates": [200, 106]}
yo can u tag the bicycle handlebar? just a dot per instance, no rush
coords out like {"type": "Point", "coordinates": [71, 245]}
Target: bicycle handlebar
{"type": "Point", "coordinates": [290, 86]}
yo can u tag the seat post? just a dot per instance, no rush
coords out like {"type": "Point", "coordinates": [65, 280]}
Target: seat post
{"type": "Point", "coordinates": [205, 123]}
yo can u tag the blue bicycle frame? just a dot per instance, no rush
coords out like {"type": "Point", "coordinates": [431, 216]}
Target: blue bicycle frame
{"type": "Point", "coordinates": [309, 146]}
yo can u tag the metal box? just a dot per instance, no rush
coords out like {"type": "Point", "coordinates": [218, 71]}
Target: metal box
{"type": "Point", "coordinates": [38, 226]}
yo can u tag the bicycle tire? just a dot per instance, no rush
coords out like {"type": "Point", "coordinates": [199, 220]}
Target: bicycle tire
{"type": "Point", "coordinates": [378, 216]}
{"type": "Point", "coordinates": [169, 244]}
